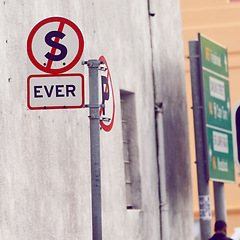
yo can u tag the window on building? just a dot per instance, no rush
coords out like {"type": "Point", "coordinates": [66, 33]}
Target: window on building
{"type": "Point", "coordinates": [130, 151]}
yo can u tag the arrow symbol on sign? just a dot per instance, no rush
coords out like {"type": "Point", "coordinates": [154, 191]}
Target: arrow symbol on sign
{"type": "Point", "coordinates": [210, 151]}
{"type": "Point", "coordinates": [225, 62]}
{"type": "Point", "coordinates": [228, 104]}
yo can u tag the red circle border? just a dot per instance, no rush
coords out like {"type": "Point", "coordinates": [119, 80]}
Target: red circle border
{"type": "Point", "coordinates": [108, 128]}
{"type": "Point", "coordinates": [33, 32]}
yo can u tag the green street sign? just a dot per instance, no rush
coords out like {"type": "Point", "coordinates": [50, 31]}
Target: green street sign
{"type": "Point", "coordinates": [217, 110]}
{"type": "Point", "coordinates": [214, 56]}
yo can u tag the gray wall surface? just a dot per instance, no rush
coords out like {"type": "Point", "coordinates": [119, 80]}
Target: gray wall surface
{"type": "Point", "coordinates": [168, 65]}
{"type": "Point", "coordinates": [45, 155]}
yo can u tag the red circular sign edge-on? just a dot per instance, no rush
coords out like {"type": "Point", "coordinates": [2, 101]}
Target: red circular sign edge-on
{"type": "Point", "coordinates": [39, 25]}
{"type": "Point", "coordinates": [107, 128]}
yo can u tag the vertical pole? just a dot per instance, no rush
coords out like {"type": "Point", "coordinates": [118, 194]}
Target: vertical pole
{"type": "Point", "coordinates": [219, 201]}
{"type": "Point", "coordinates": [164, 219]}
{"type": "Point", "coordinates": [203, 187]}
{"type": "Point", "coordinates": [95, 149]}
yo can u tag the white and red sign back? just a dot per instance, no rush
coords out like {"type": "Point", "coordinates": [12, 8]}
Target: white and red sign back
{"type": "Point", "coordinates": [55, 46]}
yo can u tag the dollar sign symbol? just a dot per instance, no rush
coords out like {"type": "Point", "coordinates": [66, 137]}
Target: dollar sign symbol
{"type": "Point", "coordinates": [55, 45]}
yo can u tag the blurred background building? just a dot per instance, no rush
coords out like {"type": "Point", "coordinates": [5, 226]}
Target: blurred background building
{"type": "Point", "coordinates": [220, 21]}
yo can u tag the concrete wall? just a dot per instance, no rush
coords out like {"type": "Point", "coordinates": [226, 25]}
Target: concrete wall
{"type": "Point", "coordinates": [45, 155]}
{"type": "Point", "coordinates": [168, 65]}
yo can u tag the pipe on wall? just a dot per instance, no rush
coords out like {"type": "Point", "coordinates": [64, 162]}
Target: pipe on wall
{"type": "Point", "coordinates": [163, 201]}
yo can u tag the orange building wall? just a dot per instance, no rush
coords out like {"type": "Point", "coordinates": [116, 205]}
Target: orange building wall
{"type": "Point", "coordinates": [220, 21]}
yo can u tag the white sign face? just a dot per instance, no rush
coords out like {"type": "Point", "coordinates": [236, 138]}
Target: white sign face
{"type": "Point", "coordinates": [108, 111]}
{"type": "Point", "coordinates": [217, 88]}
{"type": "Point", "coordinates": [55, 45]}
{"type": "Point", "coordinates": [220, 142]}
{"type": "Point", "coordinates": [55, 91]}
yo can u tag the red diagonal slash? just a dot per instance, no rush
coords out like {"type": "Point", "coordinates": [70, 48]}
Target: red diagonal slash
{"type": "Point", "coordinates": [53, 51]}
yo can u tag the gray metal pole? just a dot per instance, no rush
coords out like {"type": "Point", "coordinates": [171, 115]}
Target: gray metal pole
{"type": "Point", "coordinates": [164, 208]}
{"type": "Point", "coordinates": [95, 149]}
{"type": "Point", "coordinates": [219, 201]}
{"type": "Point", "coordinates": [203, 187]}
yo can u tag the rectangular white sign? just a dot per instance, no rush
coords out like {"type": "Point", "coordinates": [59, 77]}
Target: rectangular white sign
{"type": "Point", "coordinates": [217, 88]}
{"type": "Point", "coordinates": [55, 91]}
{"type": "Point", "coordinates": [220, 142]}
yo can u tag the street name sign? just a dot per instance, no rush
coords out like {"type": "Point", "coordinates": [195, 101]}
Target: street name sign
{"type": "Point", "coordinates": [217, 110]}
{"type": "Point", "coordinates": [55, 46]}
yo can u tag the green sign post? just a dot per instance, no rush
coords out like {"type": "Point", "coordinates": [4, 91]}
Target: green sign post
{"type": "Point", "coordinates": [217, 110]}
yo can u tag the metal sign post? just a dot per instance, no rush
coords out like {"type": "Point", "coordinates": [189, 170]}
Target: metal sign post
{"type": "Point", "coordinates": [56, 90]}
{"type": "Point", "coordinates": [95, 148]}
{"type": "Point", "coordinates": [203, 187]}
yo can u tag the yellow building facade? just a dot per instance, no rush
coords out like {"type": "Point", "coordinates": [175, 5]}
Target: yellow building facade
{"type": "Point", "coordinates": [218, 20]}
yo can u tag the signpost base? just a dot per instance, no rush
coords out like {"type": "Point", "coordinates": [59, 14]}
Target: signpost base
{"type": "Point", "coordinates": [203, 186]}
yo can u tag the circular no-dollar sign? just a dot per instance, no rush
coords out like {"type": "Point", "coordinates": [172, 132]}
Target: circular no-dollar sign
{"type": "Point", "coordinates": [44, 47]}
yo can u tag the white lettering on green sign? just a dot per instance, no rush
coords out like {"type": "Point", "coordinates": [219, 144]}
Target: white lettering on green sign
{"type": "Point", "coordinates": [217, 88]}
{"type": "Point", "coordinates": [220, 142]}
